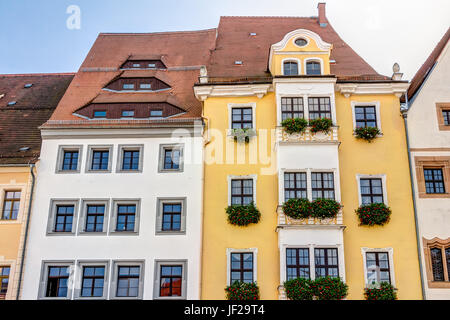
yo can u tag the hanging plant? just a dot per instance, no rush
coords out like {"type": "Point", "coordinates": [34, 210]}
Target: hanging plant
{"type": "Point", "coordinates": [367, 133]}
{"type": "Point", "coordinates": [328, 288]}
{"type": "Point", "coordinates": [299, 289]}
{"type": "Point", "coordinates": [243, 215]}
{"type": "Point", "coordinates": [243, 135]}
{"type": "Point", "coordinates": [325, 208]}
{"type": "Point", "coordinates": [383, 291]}
{"type": "Point", "coordinates": [296, 125]}
{"type": "Point", "coordinates": [242, 291]}
{"type": "Point", "coordinates": [373, 214]}
{"type": "Point", "coordinates": [320, 125]}
{"type": "Point", "coordinates": [298, 208]}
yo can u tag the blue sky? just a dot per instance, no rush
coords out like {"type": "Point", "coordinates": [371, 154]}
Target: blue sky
{"type": "Point", "coordinates": [34, 36]}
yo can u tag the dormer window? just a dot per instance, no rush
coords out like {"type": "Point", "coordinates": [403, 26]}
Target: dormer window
{"type": "Point", "coordinates": [136, 65]}
{"type": "Point", "coordinates": [128, 86]}
{"type": "Point", "coordinates": [145, 86]}
{"type": "Point", "coordinates": [127, 113]}
{"type": "Point", "coordinates": [100, 114]}
{"type": "Point", "coordinates": [136, 84]}
{"type": "Point", "coordinates": [156, 113]}
{"type": "Point", "coordinates": [313, 68]}
{"type": "Point", "coordinates": [152, 65]}
{"type": "Point", "coordinates": [143, 64]}
{"type": "Point", "coordinates": [290, 68]}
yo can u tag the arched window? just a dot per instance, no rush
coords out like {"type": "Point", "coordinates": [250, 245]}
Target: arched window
{"type": "Point", "coordinates": [313, 67]}
{"type": "Point", "coordinates": [290, 68]}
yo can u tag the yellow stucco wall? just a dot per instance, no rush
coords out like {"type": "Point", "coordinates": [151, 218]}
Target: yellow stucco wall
{"type": "Point", "coordinates": [218, 234]}
{"type": "Point", "coordinates": [385, 155]}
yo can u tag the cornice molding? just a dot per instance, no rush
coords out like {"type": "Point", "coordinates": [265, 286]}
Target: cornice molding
{"type": "Point", "coordinates": [347, 89]}
{"type": "Point", "coordinates": [244, 90]}
{"type": "Point", "coordinates": [325, 46]}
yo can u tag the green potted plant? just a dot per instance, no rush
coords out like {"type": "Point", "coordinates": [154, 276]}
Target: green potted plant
{"type": "Point", "coordinates": [373, 214]}
{"type": "Point", "coordinates": [298, 208]}
{"type": "Point", "coordinates": [325, 208]}
{"type": "Point", "coordinates": [295, 125]}
{"type": "Point", "coordinates": [243, 135]}
{"type": "Point", "coordinates": [329, 288]}
{"type": "Point", "coordinates": [242, 291]}
{"type": "Point", "coordinates": [243, 215]}
{"type": "Point", "coordinates": [299, 289]}
{"type": "Point", "coordinates": [381, 291]}
{"type": "Point", "coordinates": [367, 133]}
{"type": "Point", "coordinates": [320, 125]}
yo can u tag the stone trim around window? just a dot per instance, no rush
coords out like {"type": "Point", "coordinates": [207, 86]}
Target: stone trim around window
{"type": "Point", "coordinates": [52, 215]}
{"type": "Point", "coordinates": [60, 158]}
{"type": "Point", "coordinates": [159, 214]}
{"type": "Point", "coordinates": [390, 252]}
{"type": "Point", "coordinates": [79, 278]}
{"type": "Point", "coordinates": [44, 278]}
{"type": "Point", "coordinates": [253, 177]}
{"type": "Point", "coordinates": [81, 230]}
{"type": "Point", "coordinates": [162, 148]}
{"type": "Point", "coordinates": [123, 147]}
{"type": "Point", "coordinates": [91, 149]}
{"type": "Point", "coordinates": [157, 281]}
{"type": "Point", "coordinates": [124, 263]}
{"type": "Point", "coordinates": [434, 163]}
{"type": "Point", "coordinates": [255, 262]}
{"type": "Point", "coordinates": [427, 246]}
{"type": "Point", "coordinates": [22, 188]}
{"type": "Point", "coordinates": [440, 117]}
{"type": "Point", "coordinates": [372, 176]}
{"type": "Point", "coordinates": [113, 220]}
{"type": "Point", "coordinates": [376, 104]}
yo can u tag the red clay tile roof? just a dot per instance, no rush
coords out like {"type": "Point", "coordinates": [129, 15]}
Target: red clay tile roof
{"type": "Point", "coordinates": [19, 122]}
{"type": "Point", "coordinates": [422, 73]}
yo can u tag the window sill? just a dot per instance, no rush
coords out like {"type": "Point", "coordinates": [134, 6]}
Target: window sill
{"type": "Point", "coordinates": [123, 233]}
{"type": "Point", "coordinates": [170, 233]}
{"type": "Point", "coordinates": [91, 233]}
{"type": "Point", "coordinates": [62, 234]}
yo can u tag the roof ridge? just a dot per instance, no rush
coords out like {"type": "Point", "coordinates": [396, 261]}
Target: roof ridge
{"type": "Point", "coordinates": [37, 74]}
{"type": "Point", "coordinates": [154, 33]}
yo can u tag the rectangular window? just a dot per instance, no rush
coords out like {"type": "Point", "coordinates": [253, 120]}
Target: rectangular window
{"type": "Point", "coordinates": [446, 116]}
{"type": "Point", "coordinates": [11, 205]}
{"type": "Point", "coordinates": [241, 191]}
{"type": "Point", "coordinates": [377, 264]}
{"type": "Point", "coordinates": [57, 281]}
{"type": "Point", "coordinates": [128, 281]}
{"type": "Point", "coordinates": [136, 65]}
{"type": "Point", "coordinates": [365, 116]}
{"type": "Point", "coordinates": [171, 217]}
{"type": "Point", "coordinates": [295, 185]}
{"type": "Point", "coordinates": [242, 118]}
{"type": "Point", "coordinates": [437, 264]}
{"type": "Point", "coordinates": [371, 191]}
{"type": "Point", "coordinates": [127, 113]}
{"type": "Point", "coordinates": [313, 68]}
{"type": "Point", "coordinates": [130, 160]}
{"type": "Point", "coordinates": [171, 278]}
{"type": "Point", "coordinates": [100, 114]}
{"type": "Point", "coordinates": [145, 86]}
{"type": "Point", "coordinates": [241, 267]}
{"type": "Point", "coordinates": [70, 160]}
{"type": "Point", "coordinates": [92, 283]}
{"type": "Point", "coordinates": [319, 108]}
{"type": "Point", "coordinates": [326, 262]}
{"type": "Point", "coordinates": [322, 185]}
{"type": "Point", "coordinates": [290, 68]}
{"type": "Point", "coordinates": [152, 65]}
{"type": "Point", "coordinates": [100, 160]}
{"type": "Point", "coordinates": [126, 217]}
{"type": "Point", "coordinates": [434, 180]}
{"type": "Point", "coordinates": [95, 216]}
{"type": "Point", "coordinates": [291, 108]}
{"type": "Point", "coordinates": [156, 113]}
{"type": "Point", "coordinates": [128, 86]}
{"type": "Point", "coordinates": [64, 218]}
{"type": "Point", "coordinates": [171, 159]}
{"type": "Point", "coordinates": [4, 281]}
{"type": "Point", "coordinates": [297, 263]}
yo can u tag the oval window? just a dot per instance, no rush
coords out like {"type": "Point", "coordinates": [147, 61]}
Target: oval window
{"type": "Point", "coordinates": [301, 42]}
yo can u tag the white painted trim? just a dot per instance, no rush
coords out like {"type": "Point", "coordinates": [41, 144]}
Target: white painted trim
{"type": "Point", "coordinates": [301, 52]}
{"type": "Point", "coordinates": [241, 105]}
{"type": "Point", "coordinates": [397, 88]}
{"type": "Point", "coordinates": [247, 250]}
{"type": "Point", "coordinates": [298, 61]}
{"type": "Point", "coordinates": [317, 59]}
{"type": "Point", "coordinates": [366, 104]}
{"type": "Point", "coordinates": [390, 252]}
{"type": "Point", "coordinates": [238, 90]}
{"type": "Point", "coordinates": [372, 176]}
{"type": "Point", "coordinates": [254, 177]}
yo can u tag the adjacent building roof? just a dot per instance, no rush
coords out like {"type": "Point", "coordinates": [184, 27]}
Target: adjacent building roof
{"type": "Point", "coordinates": [425, 69]}
{"type": "Point", "coordinates": [33, 106]}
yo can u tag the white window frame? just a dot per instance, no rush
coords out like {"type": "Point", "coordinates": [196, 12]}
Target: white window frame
{"type": "Point", "coordinates": [23, 193]}
{"type": "Point", "coordinates": [299, 65]}
{"type": "Point", "coordinates": [79, 278]}
{"type": "Point", "coordinates": [372, 176]}
{"type": "Point", "coordinates": [367, 104]}
{"type": "Point", "coordinates": [390, 252]}
{"type": "Point", "coordinates": [247, 250]}
{"type": "Point", "coordinates": [254, 177]}
{"type": "Point", "coordinates": [44, 278]}
{"type": "Point", "coordinates": [157, 279]}
{"type": "Point", "coordinates": [316, 59]}
{"type": "Point", "coordinates": [231, 106]}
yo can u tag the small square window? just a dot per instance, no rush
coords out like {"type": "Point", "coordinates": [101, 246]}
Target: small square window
{"type": "Point", "coordinates": [365, 116]}
{"type": "Point", "coordinates": [171, 216]}
{"type": "Point", "coordinates": [69, 159]}
{"type": "Point", "coordinates": [4, 281]}
{"type": "Point", "coordinates": [125, 217]}
{"type": "Point", "coordinates": [145, 86]}
{"type": "Point", "coordinates": [100, 114]}
{"type": "Point", "coordinates": [377, 267]}
{"type": "Point", "coordinates": [92, 278]}
{"type": "Point", "coordinates": [128, 280]}
{"type": "Point", "coordinates": [171, 158]}
{"type": "Point", "coordinates": [99, 159]}
{"type": "Point", "coordinates": [94, 216]}
{"type": "Point", "coordinates": [127, 113]}
{"type": "Point", "coordinates": [241, 191]}
{"type": "Point", "coordinates": [371, 190]}
{"type": "Point", "coordinates": [56, 280]}
{"type": "Point", "coordinates": [242, 118]}
{"type": "Point", "coordinates": [156, 113]}
{"type": "Point", "coordinates": [170, 279]}
{"type": "Point", "coordinates": [62, 217]}
{"type": "Point", "coordinates": [130, 159]}
{"type": "Point", "coordinates": [11, 205]}
{"type": "Point", "coordinates": [128, 86]}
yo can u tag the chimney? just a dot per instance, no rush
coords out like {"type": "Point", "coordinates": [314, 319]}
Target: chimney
{"type": "Point", "coordinates": [323, 22]}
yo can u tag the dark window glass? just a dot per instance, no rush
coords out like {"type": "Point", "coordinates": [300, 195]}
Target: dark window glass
{"type": "Point", "coordinates": [301, 42]}
{"type": "Point", "coordinates": [128, 281]}
{"type": "Point", "coordinates": [241, 192]}
{"type": "Point", "coordinates": [241, 267]}
{"type": "Point", "coordinates": [171, 217]}
{"type": "Point", "coordinates": [4, 280]}
{"type": "Point", "coordinates": [291, 108]}
{"type": "Point", "coordinates": [326, 262]}
{"type": "Point", "coordinates": [294, 185]}
{"type": "Point", "coordinates": [436, 264]}
{"type": "Point", "coordinates": [100, 114]}
{"type": "Point", "coordinates": [242, 118]}
{"type": "Point", "coordinates": [64, 218]}
{"type": "Point", "coordinates": [130, 160]}
{"type": "Point", "coordinates": [297, 263]}
{"type": "Point", "coordinates": [365, 117]}
{"type": "Point", "coordinates": [57, 280]}
{"type": "Point", "coordinates": [446, 116]}
{"type": "Point", "coordinates": [447, 257]}
{"type": "Point", "coordinates": [70, 161]}
{"type": "Point", "coordinates": [11, 205]}
{"type": "Point", "coordinates": [377, 264]}
{"type": "Point", "coordinates": [434, 180]}
{"type": "Point", "coordinates": [171, 159]}
{"type": "Point", "coordinates": [290, 68]}
{"type": "Point", "coordinates": [100, 160]}
{"type": "Point", "coordinates": [313, 68]}
{"type": "Point", "coordinates": [322, 185]}
{"type": "Point", "coordinates": [93, 281]}
{"type": "Point", "coordinates": [126, 215]}
{"type": "Point", "coordinates": [94, 218]}
{"type": "Point", "coordinates": [170, 281]}
{"type": "Point", "coordinates": [127, 113]}
{"type": "Point", "coordinates": [319, 108]}
{"type": "Point", "coordinates": [371, 191]}
{"type": "Point", "coordinates": [156, 113]}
